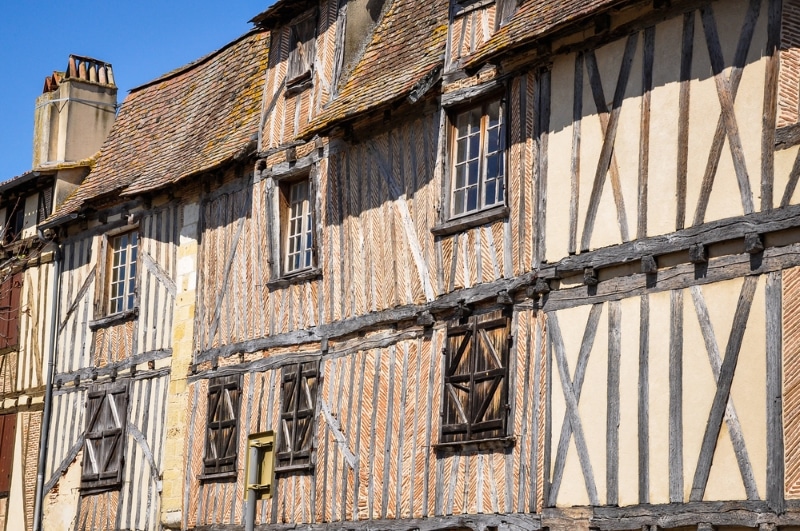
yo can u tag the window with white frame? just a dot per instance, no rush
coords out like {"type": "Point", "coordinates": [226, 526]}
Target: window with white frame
{"type": "Point", "coordinates": [478, 170]}
{"type": "Point", "coordinates": [123, 251]}
{"type": "Point", "coordinates": [299, 232]}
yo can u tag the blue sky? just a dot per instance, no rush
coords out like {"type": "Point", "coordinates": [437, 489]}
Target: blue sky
{"type": "Point", "coordinates": [141, 39]}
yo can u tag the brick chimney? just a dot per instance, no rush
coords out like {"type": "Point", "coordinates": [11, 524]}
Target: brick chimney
{"type": "Point", "coordinates": [75, 112]}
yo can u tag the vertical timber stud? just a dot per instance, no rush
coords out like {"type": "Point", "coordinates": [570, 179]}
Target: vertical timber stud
{"type": "Point", "coordinates": [676, 398]}
{"type": "Point", "coordinates": [683, 118]}
{"type": "Point", "coordinates": [613, 416]}
{"type": "Point", "coordinates": [770, 104]}
{"type": "Point", "coordinates": [775, 445]}
{"type": "Point", "coordinates": [644, 400]}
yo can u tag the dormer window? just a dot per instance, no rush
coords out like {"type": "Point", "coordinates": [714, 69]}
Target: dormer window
{"type": "Point", "coordinates": [301, 50]}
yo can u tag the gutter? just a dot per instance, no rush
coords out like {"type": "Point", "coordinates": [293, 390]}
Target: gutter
{"type": "Point", "coordinates": [48, 393]}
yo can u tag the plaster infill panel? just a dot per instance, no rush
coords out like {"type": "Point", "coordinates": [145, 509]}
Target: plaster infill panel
{"type": "Point", "coordinates": [559, 165]}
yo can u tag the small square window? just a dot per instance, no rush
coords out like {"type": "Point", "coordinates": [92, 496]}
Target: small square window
{"type": "Point", "coordinates": [104, 439]}
{"type": "Point", "coordinates": [123, 251]}
{"type": "Point", "coordinates": [478, 167]}
{"type": "Point", "coordinates": [222, 426]}
{"type": "Point", "coordinates": [476, 379]}
{"type": "Point", "coordinates": [298, 403]}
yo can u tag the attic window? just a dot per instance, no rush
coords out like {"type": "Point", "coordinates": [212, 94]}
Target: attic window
{"type": "Point", "coordinates": [301, 50]}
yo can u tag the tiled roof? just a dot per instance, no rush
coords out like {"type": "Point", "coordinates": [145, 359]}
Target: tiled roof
{"type": "Point", "coordinates": [407, 44]}
{"type": "Point", "coordinates": [183, 123]}
{"type": "Point", "coordinates": [534, 20]}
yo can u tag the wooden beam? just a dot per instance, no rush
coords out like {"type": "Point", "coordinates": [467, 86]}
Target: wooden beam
{"type": "Point", "coordinates": [707, 234]}
{"type": "Point", "coordinates": [745, 39]}
{"type": "Point", "coordinates": [577, 386]}
{"type": "Point", "coordinates": [572, 411]}
{"type": "Point", "coordinates": [724, 383]}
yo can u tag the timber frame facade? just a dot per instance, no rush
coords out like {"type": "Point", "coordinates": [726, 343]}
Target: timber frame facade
{"type": "Point", "coordinates": [476, 263]}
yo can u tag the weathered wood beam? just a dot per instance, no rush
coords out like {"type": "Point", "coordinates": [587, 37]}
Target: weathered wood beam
{"type": "Point", "coordinates": [709, 233]}
{"type": "Point", "coordinates": [681, 276]}
{"type": "Point", "coordinates": [474, 522]}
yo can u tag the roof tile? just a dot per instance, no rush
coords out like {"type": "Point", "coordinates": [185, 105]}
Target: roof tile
{"type": "Point", "coordinates": [181, 124]}
{"type": "Point", "coordinates": [407, 44]}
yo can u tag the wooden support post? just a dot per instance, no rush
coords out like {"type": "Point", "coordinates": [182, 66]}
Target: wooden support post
{"type": "Point", "coordinates": [590, 276]}
{"type": "Point", "coordinates": [753, 243]}
{"type": "Point", "coordinates": [504, 298]}
{"type": "Point", "coordinates": [698, 254]}
{"type": "Point", "coordinates": [425, 319]}
{"type": "Point", "coordinates": [649, 264]}
{"type": "Point", "coordinates": [705, 527]}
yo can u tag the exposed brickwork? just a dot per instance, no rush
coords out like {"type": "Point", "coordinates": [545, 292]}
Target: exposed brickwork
{"type": "Point", "coordinates": [789, 82]}
{"type": "Point", "coordinates": [31, 428]}
{"type": "Point", "coordinates": [791, 383]}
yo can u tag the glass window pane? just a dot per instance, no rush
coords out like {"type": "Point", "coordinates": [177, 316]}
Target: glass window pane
{"type": "Point", "coordinates": [473, 173]}
{"type": "Point", "coordinates": [461, 150]}
{"type": "Point", "coordinates": [458, 202]}
{"type": "Point", "coordinates": [474, 146]}
{"type": "Point", "coordinates": [472, 198]}
{"type": "Point", "coordinates": [490, 197]}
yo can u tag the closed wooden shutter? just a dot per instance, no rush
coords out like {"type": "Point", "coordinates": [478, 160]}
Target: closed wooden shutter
{"type": "Point", "coordinates": [8, 430]}
{"type": "Point", "coordinates": [505, 9]}
{"type": "Point", "coordinates": [10, 293]}
{"type": "Point", "coordinates": [45, 205]}
{"type": "Point", "coordinates": [106, 421]}
{"type": "Point", "coordinates": [298, 404]}
{"type": "Point", "coordinates": [303, 45]}
{"type": "Point", "coordinates": [475, 382]}
{"type": "Point", "coordinates": [221, 436]}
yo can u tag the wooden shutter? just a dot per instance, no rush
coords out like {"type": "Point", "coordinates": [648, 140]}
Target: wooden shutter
{"type": "Point", "coordinates": [505, 9]}
{"type": "Point", "coordinates": [106, 420]}
{"type": "Point", "coordinates": [221, 436]}
{"type": "Point", "coordinates": [298, 405]}
{"type": "Point", "coordinates": [10, 294]}
{"type": "Point", "coordinates": [8, 430]}
{"type": "Point", "coordinates": [45, 205]}
{"type": "Point", "coordinates": [303, 44]}
{"type": "Point", "coordinates": [475, 383]}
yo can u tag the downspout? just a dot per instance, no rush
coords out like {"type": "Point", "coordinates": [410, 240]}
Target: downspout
{"type": "Point", "coordinates": [48, 392]}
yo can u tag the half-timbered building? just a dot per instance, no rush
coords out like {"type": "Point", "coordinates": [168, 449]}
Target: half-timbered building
{"type": "Point", "coordinates": [123, 236]}
{"type": "Point", "coordinates": [514, 265]}
{"type": "Point", "coordinates": [72, 117]}
{"type": "Point", "coordinates": [474, 263]}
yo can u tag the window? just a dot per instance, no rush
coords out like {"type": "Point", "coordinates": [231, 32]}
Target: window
{"type": "Point", "coordinates": [104, 448]}
{"type": "Point", "coordinates": [476, 379]}
{"type": "Point", "coordinates": [478, 160]}
{"type": "Point", "coordinates": [122, 272]}
{"type": "Point", "coordinates": [10, 291]}
{"type": "Point", "coordinates": [223, 420]}
{"type": "Point", "coordinates": [8, 429]}
{"type": "Point", "coordinates": [299, 233]}
{"type": "Point", "coordinates": [301, 50]}
{"type": "Point", "coordinates": [298, 401]}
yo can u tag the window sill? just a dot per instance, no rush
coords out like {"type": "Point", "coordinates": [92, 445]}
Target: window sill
{"type": "Point", "coordinates": [298, 84]}
{"type": "Point", "coordinates": [113, 319]}
{"type": "Point", "coordinates": [294, 468]}
{"type": "Point", "coordinates": [499, 443]}
{"type": "Point", "coordinates": [220, 476]}
{"type": "Point", "coordinates": [472, 220]}
{"type": "Point", "coordinates": [88, 490]}
{"type": "Point", "coordinates": [295, 278]}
